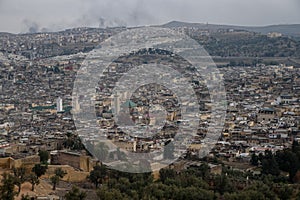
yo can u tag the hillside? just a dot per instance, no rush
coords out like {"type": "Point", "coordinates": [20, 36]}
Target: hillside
{"type": "Point", "coordinates": [285, 29]}
{"type": "Point", "coordinates": [221, 41]}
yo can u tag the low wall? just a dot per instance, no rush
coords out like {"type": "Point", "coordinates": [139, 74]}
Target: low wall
{"type": "Point", "coordinates": [27, 162]}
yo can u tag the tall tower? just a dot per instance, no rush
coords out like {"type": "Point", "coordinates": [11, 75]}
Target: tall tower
{"type": "Point", "coordinates": [117, 104]}
{"type": "Point", "coordinates": [76, 106]}
{"type": "Point", "coordinates": [59, 105]}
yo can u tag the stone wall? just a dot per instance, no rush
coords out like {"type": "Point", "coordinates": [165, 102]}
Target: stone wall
{"type": "Point", "coordinates": [27, 162]}
{"type": "Point", "coordinates": [75, 160]}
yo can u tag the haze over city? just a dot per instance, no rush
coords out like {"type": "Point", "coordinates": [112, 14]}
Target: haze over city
{"type": "Point", "coordinates": [19, 16]}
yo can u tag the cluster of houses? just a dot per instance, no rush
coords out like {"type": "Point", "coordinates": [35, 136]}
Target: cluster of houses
{"type": "Point", "coordinates": [263, 110]}
{"type": "Point", "coordinates": [37, 111]}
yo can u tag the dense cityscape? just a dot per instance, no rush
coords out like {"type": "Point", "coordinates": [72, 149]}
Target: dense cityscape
{"type": "Point", "coordinates": [43, 155]}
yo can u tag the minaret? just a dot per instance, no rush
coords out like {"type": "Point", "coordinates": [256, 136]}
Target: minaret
{"type": "Point", "coordinates": [59, 105]}
{"type": "Point", "coordinates": [76, 106]}
{"type": "Point", "coordinates": [117, 104]}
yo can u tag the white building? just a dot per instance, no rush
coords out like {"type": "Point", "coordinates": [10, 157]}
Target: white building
{"type": "Point", "coordinates": [59, 105]}
{"type": "Point", "coordinates": [285, 99]}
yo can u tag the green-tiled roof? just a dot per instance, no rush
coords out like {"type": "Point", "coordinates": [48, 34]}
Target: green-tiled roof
{"type": "Point", "coordinates": [129, 104]}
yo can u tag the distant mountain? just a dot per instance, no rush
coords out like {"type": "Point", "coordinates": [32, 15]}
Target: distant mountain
{"type": "Point", "coordinates": [285, 29]}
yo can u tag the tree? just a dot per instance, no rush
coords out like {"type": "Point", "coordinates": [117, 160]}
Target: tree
{"type": "Point", "coordinates": [192, 192]}
{"type": "Point", "coordinates": [296, 147]}
{"type": "Point", "coordinates": [58, 174]}
{"type": "Point", "coordinates": [39, 170]}
{"type": "Point", "coordinates": [204, 171]}
{"type": "Point", "coordinates": [254, 159]}
{"type": "Point", "coordinates": [75, 194]}
{"type": "Point", "coordinates": [97, 175]}
{"type": "Point", "coordinates": [54, 180]}
{"type": "Point", "coordinates": [166, 173]}
{"type": "Point", "coordinates": [285, 192]}
{"type": "Point", "coordinates": [288, 162]}
{"type": "Point", "coordinates": [25, 197]}
{"type": "Point", "coordinates": [44, 156]}
{"type": "Point", "coordinates": [269, 164]}
{"type": "Point", "coordinates": [248, 194]}
{"type": "Point", "coordinates": [34, 180]}
{"type": "Point", "coordinates": [110, 194]}
{"type": "Point", "coordinates": [222, 184]}
{"type": "Point", "coordinates": [7, 188]}
{"type": "Point", "coordinates": [19, 177]}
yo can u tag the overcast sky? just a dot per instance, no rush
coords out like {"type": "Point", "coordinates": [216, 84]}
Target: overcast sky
{"type": "Point", "coordinates": [40, 15]}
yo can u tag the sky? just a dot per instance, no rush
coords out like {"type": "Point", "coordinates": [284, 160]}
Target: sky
{"type": "Point", "coordinates": [22, 16]}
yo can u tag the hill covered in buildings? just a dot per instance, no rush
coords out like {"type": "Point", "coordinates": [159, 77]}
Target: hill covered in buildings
{"type": "Point", "coordinates": [225, 43]}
